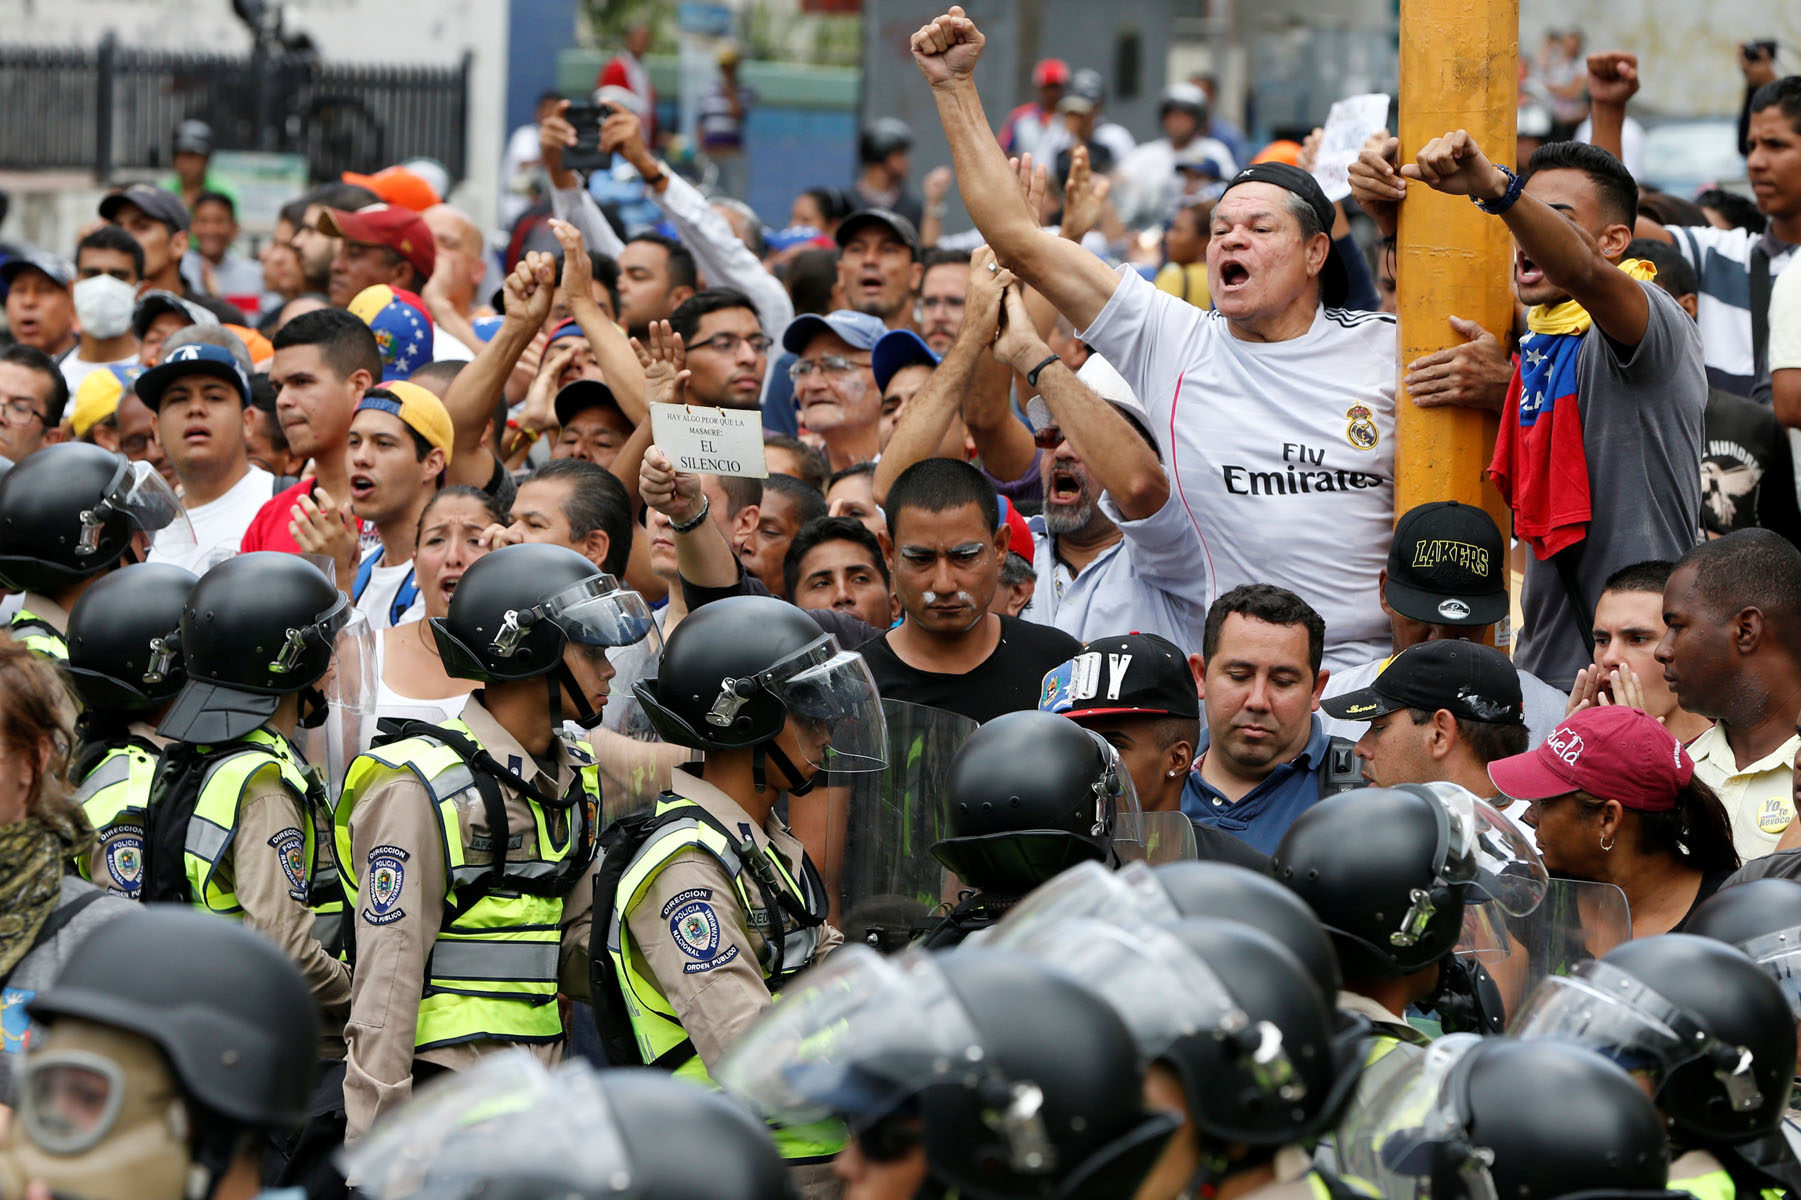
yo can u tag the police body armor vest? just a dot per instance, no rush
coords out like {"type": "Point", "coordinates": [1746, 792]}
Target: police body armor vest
{"type": "Point", "coordinates": [117, 792]}
{"type": "Point", "coordinates": [39, 636]}
{"type": "Point", "coordinates": [206, 784]}
{"type": "Point", "coordinates": [492, 971]}
{"type": "Point", "coordinates": [760, 881]}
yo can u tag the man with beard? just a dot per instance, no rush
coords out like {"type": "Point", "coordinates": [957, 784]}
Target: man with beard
{"type": "Point", "coordinates": [1277, 406]}
{"type": "Point", "coordinates": [312, 245]}
{"type": "Point", "coordinates": [1111, 551]}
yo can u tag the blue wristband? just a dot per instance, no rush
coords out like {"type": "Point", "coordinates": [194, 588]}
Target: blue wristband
{"type": "Point", "coordinates": [1515, 185]}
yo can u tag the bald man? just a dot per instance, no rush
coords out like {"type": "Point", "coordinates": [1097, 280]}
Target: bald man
{"type": "Point", "coordinates": [457, 278]}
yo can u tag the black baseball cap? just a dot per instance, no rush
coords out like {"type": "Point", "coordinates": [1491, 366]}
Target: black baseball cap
{"type": "Point", "coordinates": [1334, 280]}
{"type": "Point", "coordinates": [1447, 565]}
{"type": "Point", "coordinates": [581, 394]}
{"type": "Point", "coordinates": [161, 205]}
{"type": "Point", "coordinates": [57, 268]}
{"type": "Point", "coordinates": [1474, 682]}
{"type": "Point", "coordinates": [1138, 674]}
{"type": "Point", "coordinates": [885, 217]}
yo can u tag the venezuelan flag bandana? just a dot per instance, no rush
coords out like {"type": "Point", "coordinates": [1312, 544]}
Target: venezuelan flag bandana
{"type": "Point", "coordinates": [1540, 463]}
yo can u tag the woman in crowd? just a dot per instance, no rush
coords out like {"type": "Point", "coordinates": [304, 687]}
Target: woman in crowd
{"type": "Point", "coordinates": [1615, 800]}
{"type": "Point", "coordinates": [48, 910]}
{"type": "Point", "coordinates": [411, 681]}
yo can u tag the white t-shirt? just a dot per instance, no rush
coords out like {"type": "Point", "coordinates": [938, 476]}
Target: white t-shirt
{"type": "Point", "coordinates": [1785, 318]}
{"type": "Point", "coordinates": [378, 596]}
{"type": "Point", "coordinates": [445, 348]}
{"type": "Point", "coordinates": [1545, 705]}
{"type": "Point", "coordinates": [75, 370]}
{"type": "Point", "coordinates": [390, 703]}
{"type": "Point", "coordinates": [219, 525]}
{"type": "Point", "coordinates": [1281, 453]}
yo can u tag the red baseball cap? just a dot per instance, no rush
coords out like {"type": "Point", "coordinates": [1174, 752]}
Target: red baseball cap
{"type": "Point", "coordinates": [1614, 753]}
{"type": "Point", "coordinates": [400, 229]}
{"type": "Point", "coordinates": [1049, 71]}
{"type": "Point", "coordinates": [1019, 534]}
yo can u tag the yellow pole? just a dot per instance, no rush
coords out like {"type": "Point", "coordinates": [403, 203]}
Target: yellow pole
{"type": "Point", "coordinates": [1459, 70]}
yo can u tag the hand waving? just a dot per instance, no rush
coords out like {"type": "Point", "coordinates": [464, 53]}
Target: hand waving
{"type": "Point", "coordinates": [664, 362]}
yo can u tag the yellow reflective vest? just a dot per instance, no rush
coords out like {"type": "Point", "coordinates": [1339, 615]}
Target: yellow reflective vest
{"type": "Point", "coordinates": [116, 794]}
{"type": "Point", "coordinates": [661, 1039]}
{"type": "Point", "coordinates": [39, 636]}
{"type": "Point", "coordinates": [226, 774]}
{"type": "Point", "coordinates": [492, 974]}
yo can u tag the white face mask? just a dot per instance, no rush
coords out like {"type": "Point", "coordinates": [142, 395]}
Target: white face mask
{"type": "Point", "coordinates": [103, 305]}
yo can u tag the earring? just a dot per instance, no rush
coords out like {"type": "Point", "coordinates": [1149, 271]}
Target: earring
{"type": "Point", "coordinates": [1172, 774]}
{"type": "Point", "coordinates": [1606, 844]}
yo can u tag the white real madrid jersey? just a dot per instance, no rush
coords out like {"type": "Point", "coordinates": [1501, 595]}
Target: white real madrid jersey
{"type": "Point", "coordinates": [1282, 453]}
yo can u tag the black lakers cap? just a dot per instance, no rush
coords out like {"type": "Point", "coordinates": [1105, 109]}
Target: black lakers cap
{"type": "Point", "coordinates": [1447, 565]}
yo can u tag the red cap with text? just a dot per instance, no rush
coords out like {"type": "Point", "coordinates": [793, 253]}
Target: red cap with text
{"type": "Point", "coordinates": [1612, 753]}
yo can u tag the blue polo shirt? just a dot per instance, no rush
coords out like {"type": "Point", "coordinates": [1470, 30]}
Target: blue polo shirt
{"type": "Point", "coordinates": [1268, 809]}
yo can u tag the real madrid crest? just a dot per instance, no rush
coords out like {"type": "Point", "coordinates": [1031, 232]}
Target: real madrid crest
{"type": "Point", "coordinates": [1360, 427]}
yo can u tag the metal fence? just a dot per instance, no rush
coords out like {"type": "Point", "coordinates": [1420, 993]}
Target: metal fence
{"type": "Point", "coordinates": [115, 106]}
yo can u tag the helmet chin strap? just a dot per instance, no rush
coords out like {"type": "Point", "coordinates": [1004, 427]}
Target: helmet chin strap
{"type": "Point", "coordinates": [211, 1160]}
{"type": "Point", "coordinates": [314, 707]}
{"type": "Point", "coordinates": [563, 678]}
{"type": "Point", "coordinates": [807, 782]}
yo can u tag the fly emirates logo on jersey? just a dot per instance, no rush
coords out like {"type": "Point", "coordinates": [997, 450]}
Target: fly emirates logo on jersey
{"type": "Point", "coordinates": [1303, 470]}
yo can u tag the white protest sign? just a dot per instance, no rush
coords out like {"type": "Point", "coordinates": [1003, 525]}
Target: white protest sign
{"type": "Point", "coordinates": [1351, 121]}
{"type": "Point", "coordinates": [710, 441]}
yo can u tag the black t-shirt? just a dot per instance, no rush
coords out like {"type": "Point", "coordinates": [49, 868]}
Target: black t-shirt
{"type": "Point", "coordinates": [1711, 882]}
{"type": "Point", "coordinates": [1747, 472]}
{"type": "Point", "coordinates": [500, 485]}
{"type": "Point", "coordinates": [1008, 680]}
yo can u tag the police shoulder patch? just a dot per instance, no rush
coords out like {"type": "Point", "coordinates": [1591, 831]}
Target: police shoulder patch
{"type": "Point", "coordinates": [695, 928]}
{"type": "Point", "coordinates": [290, 850]}
{"type": "Point", "coordinates": [686, 896]}
{"type": "Point", "coordinates": [382, 884]}
{"type": "Point", "coordinates": [122, 850]}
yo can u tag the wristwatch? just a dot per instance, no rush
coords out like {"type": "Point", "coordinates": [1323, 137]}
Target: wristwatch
{"type": "Point", "coordinates": [1494, 208]}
